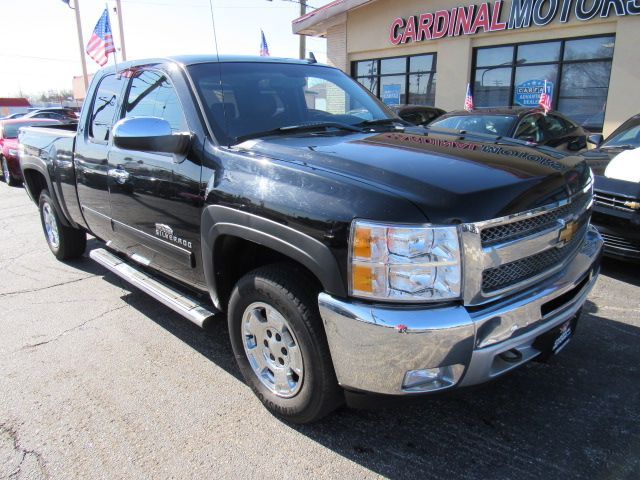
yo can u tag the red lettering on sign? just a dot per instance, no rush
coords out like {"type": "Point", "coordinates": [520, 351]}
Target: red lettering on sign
{"type": "Point", "coordinates": [440, 23]}
{"type": "Point", "coordinates": [482, 19]}
{"type": "Point", "coordinates": [394, 35]}
{"type": "Point", "coordinates": [463, 22]}
{"type": "Point", "coordinates": [496, 24]}
{"type": "Point", "coordinates": [452, 22]}
{"type": "Point", "coordinates": [410, 30]}
{"type": "Point", "coordinates": [424, 27]}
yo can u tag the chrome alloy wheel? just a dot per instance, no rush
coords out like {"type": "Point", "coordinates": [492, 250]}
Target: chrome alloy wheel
{"type": "Point", "coordinates": [50, 225]}
{"type": "Point", "coordinates": [272, 349]}
{"type": "Point", "coordinates": [5, 171]}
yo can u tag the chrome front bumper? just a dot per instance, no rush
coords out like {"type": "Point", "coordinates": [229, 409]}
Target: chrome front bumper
{"type": "Point", "coordinates": [373, 347]}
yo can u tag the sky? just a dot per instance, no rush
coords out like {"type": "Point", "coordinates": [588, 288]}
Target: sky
{"type": "Point", "coordinates": [40, 49]}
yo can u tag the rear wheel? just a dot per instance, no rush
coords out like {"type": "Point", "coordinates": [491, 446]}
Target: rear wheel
{"type": "Point", "coordinates": [280, 345]}
{"type": "Point", "coordinates": [6, 174]}
{"type": "Point", "coordinates": [64, 242]}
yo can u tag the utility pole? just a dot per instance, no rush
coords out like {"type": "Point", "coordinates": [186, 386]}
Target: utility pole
{"type": "Point", "coordinates": [123, 50]}
{"type": "Point", "coordinates": [303, 38]}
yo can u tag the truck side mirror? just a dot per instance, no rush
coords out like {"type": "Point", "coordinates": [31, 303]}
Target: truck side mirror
{"type": "Point", "coordinates": [149, 134]}
{"type": "Point", "coordinates": [595, 139]}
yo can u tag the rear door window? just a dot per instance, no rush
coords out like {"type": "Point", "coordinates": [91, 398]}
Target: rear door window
{"type": "Point", "coordinates": [104, 108]}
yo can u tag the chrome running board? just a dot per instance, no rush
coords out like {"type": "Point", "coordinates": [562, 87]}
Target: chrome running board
{"type": "Point", "coordinates": [169, 296]}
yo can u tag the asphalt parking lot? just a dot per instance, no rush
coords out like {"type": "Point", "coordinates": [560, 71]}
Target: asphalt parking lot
{"type": "Point", "coordinates": [97, 380]}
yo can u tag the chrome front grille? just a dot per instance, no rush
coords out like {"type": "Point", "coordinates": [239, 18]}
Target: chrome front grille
{"type": "Point", "coordinates": [509, 254]}
{"type": "Point", "coordinates": [513, 273]}
{"type": "Point", "coordinates": [523, 228]}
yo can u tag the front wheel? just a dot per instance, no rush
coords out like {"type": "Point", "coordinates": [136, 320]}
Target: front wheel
{"type": "Point", "coordinates": [64, 242]}
{"type": "Point", "coordinates": [280, 345]}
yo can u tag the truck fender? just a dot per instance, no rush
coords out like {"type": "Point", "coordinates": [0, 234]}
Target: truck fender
{"type": "Point", "coordinates": [219, 220]}
{"type": "Point", "coordinates": [42, 169]}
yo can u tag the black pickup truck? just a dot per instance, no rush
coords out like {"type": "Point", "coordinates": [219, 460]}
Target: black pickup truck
{"type": "Point", "coordinates": [352, 253]}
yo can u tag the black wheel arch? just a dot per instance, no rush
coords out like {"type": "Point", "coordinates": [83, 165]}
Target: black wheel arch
{"type": "Point", "coordinates": [220, 222]}
{"type": "Point", "coordinates": [36, 179]}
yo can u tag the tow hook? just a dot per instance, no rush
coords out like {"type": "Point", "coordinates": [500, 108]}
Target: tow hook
{"type": "Point", "coordinates": [511, 356]}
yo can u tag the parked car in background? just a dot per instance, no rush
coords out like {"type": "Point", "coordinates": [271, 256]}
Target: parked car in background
{"type": "Point", "coordinates": [11, 173]}
{"type": "Point", "coordinates": [522, 123]}
{"type": "Point", "coordinates": [62, 114]}
{"type": "Point", "coordinates": [625, 137]}
{"type": "Point", "coordinates": [617, 205]}
{"type": "Point", "coordinates": [417, 114]}
{"type": "Point", "coordinates": [13, 115]}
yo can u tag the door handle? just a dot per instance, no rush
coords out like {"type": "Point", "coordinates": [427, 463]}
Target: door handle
{"type": "Point", "coordinates": [119, 175]}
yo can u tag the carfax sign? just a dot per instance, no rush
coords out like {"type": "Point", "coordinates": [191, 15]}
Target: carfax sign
{"type": "Point", "coordinates": [528, 93]}
{"type": "Point", "coordinates": [391, 94]}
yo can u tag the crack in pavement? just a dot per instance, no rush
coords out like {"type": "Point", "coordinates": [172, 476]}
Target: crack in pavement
{"type": "Point", "coordinates": [32, 290]}
{"type": "Point", "coordinates": [77, 327]}
{"type": "Point", "coordinates": [25, 454]}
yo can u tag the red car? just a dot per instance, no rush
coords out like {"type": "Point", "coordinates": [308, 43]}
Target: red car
{"type": "Point", "coordinates": [9, 146]}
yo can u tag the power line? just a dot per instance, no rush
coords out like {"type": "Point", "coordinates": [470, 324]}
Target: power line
{"type": "Point", "coordinates": [38, 58]}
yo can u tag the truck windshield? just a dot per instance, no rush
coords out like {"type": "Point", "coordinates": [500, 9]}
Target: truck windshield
{"type": "Point", "coordinates": [242, 99]}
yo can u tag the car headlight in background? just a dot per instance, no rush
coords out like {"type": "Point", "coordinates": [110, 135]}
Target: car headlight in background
{"type": "Point", "coordinates": [13, 152]}
{"type": "Point", "coordinates": [404, 263]}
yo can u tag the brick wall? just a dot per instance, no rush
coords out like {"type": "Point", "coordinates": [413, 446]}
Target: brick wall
{"type": "Point", "coordinates": [337, 47]}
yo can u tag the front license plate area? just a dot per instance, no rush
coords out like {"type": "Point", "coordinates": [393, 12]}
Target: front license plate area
{"type": "Point", "coordinates": [552, 342]}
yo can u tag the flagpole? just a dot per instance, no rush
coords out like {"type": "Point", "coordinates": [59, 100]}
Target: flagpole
{"type": "Point", "coordinates": [115, 53]}
{"type": "Point", "coordinates": [81, 44]}
{"type": "Point", "coordinates": [123, 50]}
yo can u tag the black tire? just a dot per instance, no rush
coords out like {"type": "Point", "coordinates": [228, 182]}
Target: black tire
{"type": "Point", "coordinates": [71, 242]}
{"type": "Point", "coordinates": [6, 174]}
{"type": "Point", "coordinates": [287, 289]}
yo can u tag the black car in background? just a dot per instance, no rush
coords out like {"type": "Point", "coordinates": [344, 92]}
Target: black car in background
{"type": "Point", "coordinates": [625, 137]}
{"type": "Point", "coordinates": [616, 214]}
{"type": "Point", "coordinates": [417, 114]}
{"type": "Point", "coordinates": [522, 123]}
{"type": "Point", "coordinates": [616, 211]}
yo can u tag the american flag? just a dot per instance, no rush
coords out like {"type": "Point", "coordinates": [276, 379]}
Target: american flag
{"type": "Point", "coordinates": [264, 48]}
{"type": "Point", "coordinates": [101, 42]}
{"type": "Point", "coordinates": [468, 99]}
{"type": "Point", "coordinates": [545, 99]}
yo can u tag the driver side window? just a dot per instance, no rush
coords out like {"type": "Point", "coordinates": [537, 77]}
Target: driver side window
{"type": "Point", "coordinates": [152, 95]}
{"type": "Point", "coordinates": [529, 129]}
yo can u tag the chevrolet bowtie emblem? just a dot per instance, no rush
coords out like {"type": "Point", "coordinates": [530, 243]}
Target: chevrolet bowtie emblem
{"type": "Point", "coordinates": [568, 232]}
{"type": "Point", "coordinates": [632, 205]}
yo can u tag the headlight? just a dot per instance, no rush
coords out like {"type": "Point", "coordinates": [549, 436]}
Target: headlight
{"type": "Point", "coordinates": [404, 263]}
{"type": "Point", "coordinates": [13, 152]}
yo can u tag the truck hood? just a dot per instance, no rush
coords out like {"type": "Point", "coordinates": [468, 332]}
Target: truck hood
{"type": "Point", "coordinates": [449, 178]}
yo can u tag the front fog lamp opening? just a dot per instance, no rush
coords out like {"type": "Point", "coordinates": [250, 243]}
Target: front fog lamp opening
{"type": "Point", "coordinates": [404, 263]}
{"type": "Point", "coordinates": [432, 379]}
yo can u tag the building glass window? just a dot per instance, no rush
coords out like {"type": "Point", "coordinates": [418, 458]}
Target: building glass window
{"type": "Point", "coordinates": [399, 80]}
{"type": "Point", "coordinates": [577, 72]}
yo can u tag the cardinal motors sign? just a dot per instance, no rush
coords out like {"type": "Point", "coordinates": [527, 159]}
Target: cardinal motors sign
{"type": "Point", "coordinates": [493, 17]}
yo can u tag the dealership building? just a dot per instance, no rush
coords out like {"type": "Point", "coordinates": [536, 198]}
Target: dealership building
{"type": "Point", "coordinates": [586, 52]}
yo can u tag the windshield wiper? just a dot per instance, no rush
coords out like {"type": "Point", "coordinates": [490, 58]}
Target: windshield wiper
{"type": "Point", "coordinates": [626, 146]}
{"type": "Point", "coordinates": [384, 121]}
{"type": "Point", "coordinates": [298, 128]}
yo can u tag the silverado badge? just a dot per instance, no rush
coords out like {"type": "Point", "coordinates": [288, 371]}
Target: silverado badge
{"type": "Point", "coordinates": [166, 232]}
{"type": "Point", "coordinates": [568, 232]}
